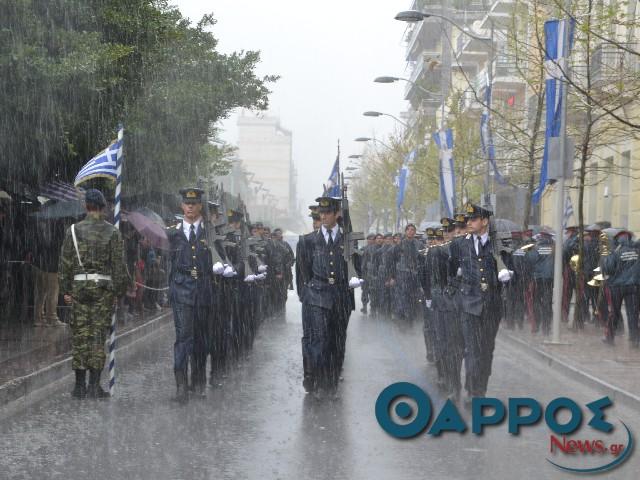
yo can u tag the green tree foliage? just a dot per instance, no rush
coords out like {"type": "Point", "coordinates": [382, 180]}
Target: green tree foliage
{"type": "Point", "coordinates": [71, 70]}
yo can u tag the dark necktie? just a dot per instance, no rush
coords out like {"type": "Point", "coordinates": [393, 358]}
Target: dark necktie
{"type": "Point", "coordinates": [330, 242]}
{"type": "Point", "coordinates": [192, 234]}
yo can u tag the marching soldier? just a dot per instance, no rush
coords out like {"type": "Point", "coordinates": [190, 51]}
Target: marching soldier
{"type": "Point", "coordinates": [367, 253]}
{"type": "Point", "coordinates": [327, 301]}
{"type": "Point", "coordinates": [92, 277]}
{"type": "Point", "coordinates": [190, 293]}
{"type": "Point", "coordinates": [540, 259]}
{"type": "Point", "coordinates": [473, 264]}
{"type": "Point", "coordinates": [376, 282]}
{"type": "Point", "coordinates": [623, 269]}
{"type": "Point", "coordinates": [404, 264]}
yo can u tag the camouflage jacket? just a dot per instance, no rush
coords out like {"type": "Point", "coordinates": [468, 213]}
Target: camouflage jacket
{"type": "Point", "coordinates": [101, 251]}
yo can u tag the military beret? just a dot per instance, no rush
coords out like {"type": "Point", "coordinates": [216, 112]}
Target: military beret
{"type": "Point", "coordinates": [94, 197]}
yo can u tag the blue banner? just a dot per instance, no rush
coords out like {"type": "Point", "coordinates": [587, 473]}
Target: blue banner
{"type": "Point", "coordinates": [444, 141]}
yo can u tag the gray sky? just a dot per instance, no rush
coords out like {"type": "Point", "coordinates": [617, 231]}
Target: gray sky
{"type": "Point", "coordinates": [327, 54]}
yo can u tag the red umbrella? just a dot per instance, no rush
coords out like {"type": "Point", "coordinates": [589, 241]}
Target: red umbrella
{"type": "Point", "coordinates": [150, 229]}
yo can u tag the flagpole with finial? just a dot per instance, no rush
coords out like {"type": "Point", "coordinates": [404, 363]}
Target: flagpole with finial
{"type": "Point", "coordinates": [116, 218]}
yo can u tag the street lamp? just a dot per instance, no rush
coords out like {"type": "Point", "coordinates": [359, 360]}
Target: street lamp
{"type": "Point", "coordinates": [379, 114]}
{"type": "Point", "coordinates": [396, 79]}
{"type": "Point", "coordinates": [413, 16]}
{"type": "Point", "coordinates": [369, 139]}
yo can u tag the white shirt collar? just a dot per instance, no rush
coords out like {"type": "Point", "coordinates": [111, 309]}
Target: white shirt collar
{"type": "Point", "coordinates": [334, 232]}
{"type": "Point", "coordinates": [186, 226]}
{"type": "Point", "coordinates": [483, 238]}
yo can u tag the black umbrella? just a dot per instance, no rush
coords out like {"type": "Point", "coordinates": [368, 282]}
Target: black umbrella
{"type": "Point", "coordinates": [62, 209]}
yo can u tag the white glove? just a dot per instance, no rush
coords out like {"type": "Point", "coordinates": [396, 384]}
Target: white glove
{"type": "Point", "coordinates": [261, 276]}
{"type": "Point", "coordinates": [262, 268]}
{"type": "Point", "coordinates": [218, 268]}
{"type": "Point", "coordinates": [459, 272]}
{"type": "Point", "coordinates": [428, 302]}
{"type": "Point", "coordinates": [505, 275]}
{"type": "Point", "coordinates": [250, 278]}
{"type": "Point", "coordinates": [355, 282]}
{"type": "Point", "coordinates": [228, 272]}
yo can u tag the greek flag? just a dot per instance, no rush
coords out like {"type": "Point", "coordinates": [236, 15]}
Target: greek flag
{"type": "Point", "coordinates": [403, 177]}
{"type": "Point", "coordinates": [332, 188]}
{"type": "Point", "coordinates": [103, 165]}
{"type": "Point", "coordinates": [568, 212]}
{"type": "Point", "coordinates": [555, 64]}
{"type": "Point", "coordinates": [486, 138]}
{"type": "Point", "coordinates": [444, 141]}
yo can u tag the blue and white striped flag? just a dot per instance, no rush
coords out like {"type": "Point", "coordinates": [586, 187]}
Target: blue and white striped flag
{"type": "Point", "coordinates": [486, 137]}
{"type": "Point", "coordinates": [332, 188]}
{"type": "Point", "coordinates": [444, 141]}
{"type": "Point", "coordinates": [555, 65]}
{"type": "Point", "coordinates": [103, 165]}
{"type": "Point", "coordinates": [568, 212]}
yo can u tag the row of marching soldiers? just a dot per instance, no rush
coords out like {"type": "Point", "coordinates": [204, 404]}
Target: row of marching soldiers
{"type": "Point", "coordinates": [611, 266]}
{"type": "Point", "coordinates": [450, 278]}
{"type": "Point", "coordinates": [247, 282]}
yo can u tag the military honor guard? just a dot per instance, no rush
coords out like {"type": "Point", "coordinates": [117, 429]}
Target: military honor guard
{"type": "Point", "coordinates": [92, 276]}
{"type": "Point", "coordinates": [327, 300]}
{"type": "Point", "coordinates": [190, 293]}
{"type": "Point", "coordinates": [473, 264]}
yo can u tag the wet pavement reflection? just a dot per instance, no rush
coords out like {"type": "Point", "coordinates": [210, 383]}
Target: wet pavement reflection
{"type": "Point", "coordinates": [260, 424]}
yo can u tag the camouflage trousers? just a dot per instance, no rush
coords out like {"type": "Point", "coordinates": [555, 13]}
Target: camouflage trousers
{"type": "Point", "coordinates": [89, 329]}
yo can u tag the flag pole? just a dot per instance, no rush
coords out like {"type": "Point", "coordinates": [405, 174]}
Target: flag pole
{"type": "Point", "coordinates": [116, 217]}
{"type": "Point", "coordinates": [560, 195]}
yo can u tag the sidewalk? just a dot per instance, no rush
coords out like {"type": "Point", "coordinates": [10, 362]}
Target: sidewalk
{"type": "Point", "coordinates": [31, 357]}
{"type": "Point", "coordinates": [613, 370]}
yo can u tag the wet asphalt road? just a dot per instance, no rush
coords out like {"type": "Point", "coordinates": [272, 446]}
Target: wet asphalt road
{"type": "Point", "coordinates": [261, 425]}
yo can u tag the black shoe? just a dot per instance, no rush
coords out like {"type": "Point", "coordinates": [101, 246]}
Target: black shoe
{"type": "Point", "coordinates": [94, 390]}
{"type": "Point", "coordinates": [309, 385]}
{"type": "Point", "coordinates": [363, 309]}
{"type": "Point", "coordinates": [80, 388]}
{"type": "Point", "coordinates": [182, 395]}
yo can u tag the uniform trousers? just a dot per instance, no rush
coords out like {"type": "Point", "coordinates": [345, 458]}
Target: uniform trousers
{"type": "Point", "coordinates": [479, 333]}
{"type": "Point", "coordinates": [191, 338]}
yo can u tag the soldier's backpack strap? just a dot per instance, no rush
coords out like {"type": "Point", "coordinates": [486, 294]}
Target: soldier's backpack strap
{"type": "Point", "coordinates": [75, 245]}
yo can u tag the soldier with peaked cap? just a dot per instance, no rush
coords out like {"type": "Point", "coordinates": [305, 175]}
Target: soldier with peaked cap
{"type": "Point", "coordinates": [315, 217]}
{"type": "Point", "coordinates": [190, 293]}
{"type": "Point", "coordinates": [473, 265]}
{"type": "Point", "coordinates": [92, 276]}
{"type": "Point", "coordinates": [540, 260]}
{"type": "Point", "coordinates": [327, 300]}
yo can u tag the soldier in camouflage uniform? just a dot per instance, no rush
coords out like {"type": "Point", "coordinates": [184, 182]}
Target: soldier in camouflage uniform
{"type": "Point", "coordinates": [92, 276]}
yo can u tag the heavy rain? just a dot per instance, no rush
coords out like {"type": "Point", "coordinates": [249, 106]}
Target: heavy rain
{"type": "Point", "coordinates": [349, 240]}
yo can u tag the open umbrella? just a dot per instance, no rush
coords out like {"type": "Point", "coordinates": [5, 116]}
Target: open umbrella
{"type": "Point", "coordinates": [149, 228]}
{"type": "Point", "coordinates": [506, 225]}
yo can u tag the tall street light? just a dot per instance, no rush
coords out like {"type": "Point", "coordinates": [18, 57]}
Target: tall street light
{"type": "Point", "coordinates": [387, 79]}
{"type": "Point", "coordinates": [369, 139]}
{"type": "Point", "coordinates": [372, 113]}
{"type": "Point", "coordinates": [413, 16]}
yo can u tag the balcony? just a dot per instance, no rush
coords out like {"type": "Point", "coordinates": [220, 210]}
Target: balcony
{"type": "Point", "coordinates": [425, 35]}
{"type": "Point", "coordinates": [506, 76]}
{"type": "Point", "coordinates": [500, 15]}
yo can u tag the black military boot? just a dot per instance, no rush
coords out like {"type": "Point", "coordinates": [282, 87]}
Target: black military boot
{"type": "Point", "coordinates": [94, 390]}
{"type": "Point", "coordinates": [182, 395]}
{"type": "Point", "coordinates": [80, 388]}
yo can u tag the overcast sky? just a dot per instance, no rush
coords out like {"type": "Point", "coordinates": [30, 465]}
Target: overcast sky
{"type": "Point", "coordinates": [327, 54]}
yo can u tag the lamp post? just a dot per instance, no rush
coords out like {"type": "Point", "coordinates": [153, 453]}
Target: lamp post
{"type": "Point", "coordinates": [418, 16]}
{"type": "Point", "coordinates": [372, 113]}
{"type": "Point", "coordinates": [369, 139]}
{"type": "Point", "coordinates": [388, 79]}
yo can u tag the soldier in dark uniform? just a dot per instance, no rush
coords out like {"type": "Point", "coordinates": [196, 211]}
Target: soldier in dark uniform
{"type": "Point", "coordinates": [190, 293]}
{"type": "Point", "coordinates": [568, 275]}
{"type": "Point", "coordinates": [375, 282]}
{"type": "Point", "coordinates": [315, 217]}
{"type": "Point", "coordinates": [517, 287]}
{"type": "Point", "coordinates": [540, 259]}
{"type": "Point", "coordinates": [473, 265]}
{"type": "Point", "coordinates": [327, 301]}
{"type": "Point", "coordinates": [385, 271]}
{"type": "Point", "coordinates": [92, 276]}
{"type": "Point", "coordinates": [623, 269]}
{"type": "Point", "coordinates": [403, 257]}
{"type": "Point", "coordinates": [366, 261]}
{"type": "Point", "coordinates": [426, 272]}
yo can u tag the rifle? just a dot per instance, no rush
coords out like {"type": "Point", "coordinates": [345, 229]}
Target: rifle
{"type": "Point", "coordinates": [244, 242]}
{"type": "Point", "coordinates": [212, 235]}
{"type": "Point", "coordinates": [349, 235]}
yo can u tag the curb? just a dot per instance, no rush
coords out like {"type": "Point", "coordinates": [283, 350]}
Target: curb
{"type": "Point", "coordinates": [24, 391]}
{"type": "Point", "coordinates": [613, 392]}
